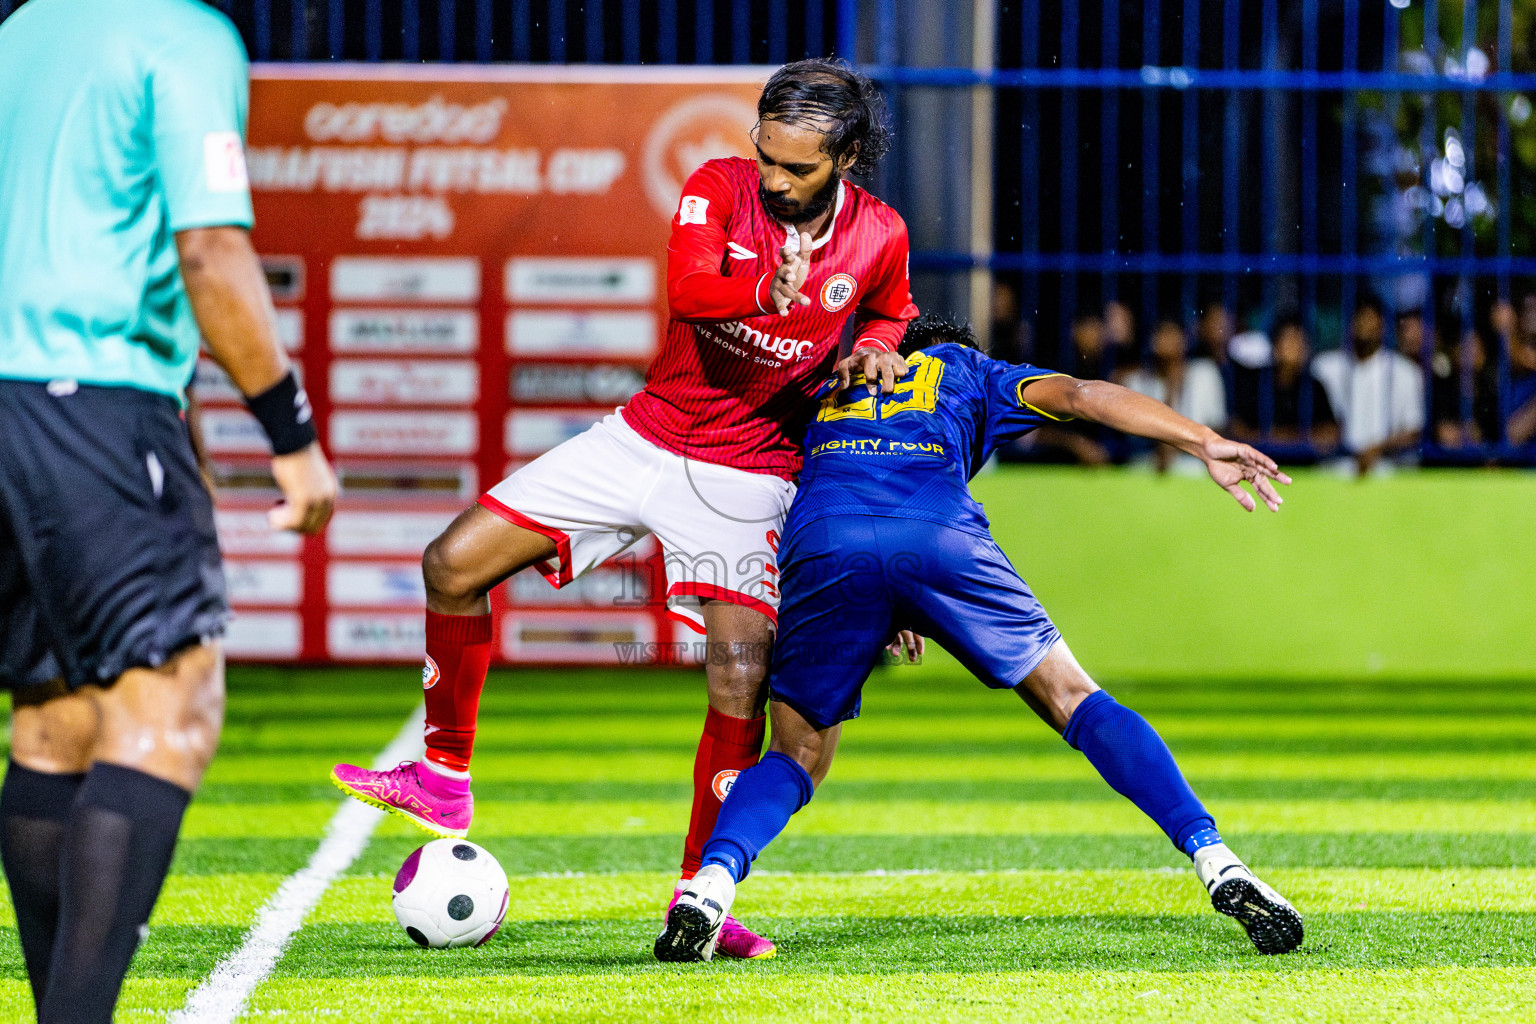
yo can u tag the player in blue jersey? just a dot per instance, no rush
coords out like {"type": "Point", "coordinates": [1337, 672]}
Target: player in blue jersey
{"type": "Point", "coordinates": [124, 241]}
{"type": "Point", "coordinates": [884, 536]}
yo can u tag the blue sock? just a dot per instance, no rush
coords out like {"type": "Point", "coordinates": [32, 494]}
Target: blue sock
{"type": "Point", "coordinates": [760, 804]}
{"type": "Point", "coordinates": [1133, 759]}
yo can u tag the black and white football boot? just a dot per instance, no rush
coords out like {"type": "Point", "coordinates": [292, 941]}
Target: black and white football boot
{"type": "Point", "coordinates": [694, 919]}
{"type": "Point", "coordinates": [1272, 923]}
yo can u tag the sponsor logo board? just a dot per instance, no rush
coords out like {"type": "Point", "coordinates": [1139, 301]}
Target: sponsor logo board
{"type": "Point", "coordinates": [397, 481]}
{"type": "Point", "coordinates": [262, 635]}
{"type": "Point", "coordinates": [285, 276]}
{"type": "Point", "coordinates": [288, 325]}
{"type": "Point", "coordinates": [438, 332]}
{"type": "Point", "coordinates": [404, 433]}
{"type": "Point", "coordinates": [405, 382]}
{"type": "Point", "coordinates": [405, 279]}
{"type": "Point", "coordinates": [382, 637]}
{"type": "Point", "coordinates": [575, 333]}
{"type": "Point", "coordinates": [618, 280]}
{"type": "Point", "coordinates": [575, 383]}
{"type": "Point", "coordinates": [587, 636]}
{"type": "Point", "coordinates": [233, 432]}
{"type": "Point", "coordinates": [248, 533]}
{"type": "Point", "coordinates": [385, 533]}
{"type": "Point", "coordinates": [535, 431]}
{"type": "Point", "coordinates": [210, 384]}
{"type": "Point", "coordinates": [697, 129]}
{"type": "Point", "coordinates": [272, 583]}
{"type": "Point", "coordinates": [372, 585]}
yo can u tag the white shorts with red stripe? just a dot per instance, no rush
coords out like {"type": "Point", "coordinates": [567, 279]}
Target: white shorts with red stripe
{"type": "Point", "coordinates": [599, 493]}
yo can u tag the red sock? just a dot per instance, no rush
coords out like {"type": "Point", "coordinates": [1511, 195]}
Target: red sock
{"type": "Point", "coordinates": [458, 655]}
{"type": "Point", "coordinates": [728, 747]}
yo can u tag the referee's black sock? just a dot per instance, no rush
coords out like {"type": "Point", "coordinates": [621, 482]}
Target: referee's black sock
{"type": "Point", "coordinates": [116, 852]}
{"type": "Point", "coordinates": [34, 813]}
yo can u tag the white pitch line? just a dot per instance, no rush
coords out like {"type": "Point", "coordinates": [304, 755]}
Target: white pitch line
{"type": "Point", "coordinates": [222, 996]}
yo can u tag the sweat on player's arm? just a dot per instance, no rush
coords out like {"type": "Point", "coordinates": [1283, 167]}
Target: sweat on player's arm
{"type": "Point", "coordinates": [1229, 462]}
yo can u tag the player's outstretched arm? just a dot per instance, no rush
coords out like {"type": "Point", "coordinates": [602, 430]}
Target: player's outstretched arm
{"type": "Point", "coordinates": [1229, 462]}
{"type": "Point", "coordinates": [233, 308]}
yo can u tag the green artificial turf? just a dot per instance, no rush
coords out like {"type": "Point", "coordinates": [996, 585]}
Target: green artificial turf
{"type": "Point", "coordinates": [1422, 574]}
{"type": "Point", "coordinates": [1349, 685]}
{"type": "Point", "coordinates": [960, 863]}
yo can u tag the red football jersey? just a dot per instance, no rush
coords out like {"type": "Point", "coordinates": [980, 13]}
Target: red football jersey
{"type": "Point", "coordinates": [733, 380]}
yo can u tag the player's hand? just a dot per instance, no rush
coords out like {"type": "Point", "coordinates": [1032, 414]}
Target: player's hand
{"type": "Point", "coordinates": [1230, 463]}
{"type": "Point", "coordinates": [794, 265]}
{"type": "Point", "coordinates": [875, 364]}
{"type": "Point", "coordinates": [908, 642]}
{"type": "Point", "coordinates": [309, 490]}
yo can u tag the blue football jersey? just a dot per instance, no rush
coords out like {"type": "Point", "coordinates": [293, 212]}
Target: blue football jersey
{"type": "Point", "coordinates": [909, 454]}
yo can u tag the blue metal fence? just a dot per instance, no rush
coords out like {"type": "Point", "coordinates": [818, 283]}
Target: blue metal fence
{"type": "Point", "coordinates": [1269, 156]}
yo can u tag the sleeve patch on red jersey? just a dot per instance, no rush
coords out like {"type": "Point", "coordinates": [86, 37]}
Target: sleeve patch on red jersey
{"type": "Point", "coordinates": [692, 210]}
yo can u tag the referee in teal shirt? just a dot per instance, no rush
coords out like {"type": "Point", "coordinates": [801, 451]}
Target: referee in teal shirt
{"type": "Point", "coordinates": [124, 220]}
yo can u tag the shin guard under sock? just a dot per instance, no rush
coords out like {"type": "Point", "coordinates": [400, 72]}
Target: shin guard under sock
{"type": "Point", "coordinates": [458, 655]}
{"type": "Point", "coordinates": [34, 811]}
{"type": "Point", "coordinates": [117, 849]}
{"type": "Point", "coordinates": [761, 803]}
{"type": "Point", "coordinates": [1133, 759]}
{"type": "Point", "coordinates": [728, 747]}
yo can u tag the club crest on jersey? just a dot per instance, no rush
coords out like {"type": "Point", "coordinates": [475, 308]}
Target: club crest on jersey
{"type": "Point", "coordinates": [723, 783]}
{"type": "Point", "coordinates": [837, 292]}
{"type": "Point", "coordinates": [430, 674]}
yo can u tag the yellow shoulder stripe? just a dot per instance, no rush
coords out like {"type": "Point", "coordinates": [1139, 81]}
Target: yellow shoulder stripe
{"type": "Point", "coordinates": [1031, 408]}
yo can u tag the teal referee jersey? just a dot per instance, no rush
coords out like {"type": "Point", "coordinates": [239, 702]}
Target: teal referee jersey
{"type": "Point", "coordinates": [121, 123]}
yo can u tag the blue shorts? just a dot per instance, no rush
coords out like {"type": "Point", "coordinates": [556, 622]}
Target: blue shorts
{"type": "Point", "coordinates": [850, 582]}
{"type": "Point", "coordinates": [108, 556]}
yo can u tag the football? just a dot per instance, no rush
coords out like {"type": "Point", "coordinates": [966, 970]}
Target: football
{"type": "Point", "coordinates": [450, 893]}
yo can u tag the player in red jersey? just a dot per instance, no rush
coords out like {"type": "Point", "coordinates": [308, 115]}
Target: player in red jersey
{"type": "Point", "coordinates": [766, 264]}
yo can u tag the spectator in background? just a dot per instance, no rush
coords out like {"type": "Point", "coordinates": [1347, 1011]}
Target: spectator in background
{"type": "Point", "coordinates": [1466, 407]}
{"type": "Point", "coordinates": [1427, 351]}
{"type": "Point", "coordinates": [1521, 333]}
{"type": "Point", "coordinates": [1009, 339]}
{"type": "Point", "coordinates": [1377, 394]}
{"type": "Point", "coordinates": [1090, 359]}
{"type": "Point", "coordinates": [1213, 333]}
{"type": "Point", "coordinates": [1089, 349]}
{"type": "Point", "coordinates": [1299, 411]}
{"type": "Point", "coordinates": [1193, 387]}
{"type": "Point", "coordinates": [1120, 336]}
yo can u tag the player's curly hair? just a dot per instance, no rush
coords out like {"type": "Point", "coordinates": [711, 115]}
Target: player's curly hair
{"type": "Point", "coordinates": [830, 97]}
{"type": "Point", "coordinates": [933, 329]}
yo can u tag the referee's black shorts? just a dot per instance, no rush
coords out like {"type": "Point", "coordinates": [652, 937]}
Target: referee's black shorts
{"type": "Point", "coordinates": [108, 556]}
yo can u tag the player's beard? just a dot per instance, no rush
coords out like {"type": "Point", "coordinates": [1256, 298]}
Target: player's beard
{"type": "Point", "coordinates": [797, 214]}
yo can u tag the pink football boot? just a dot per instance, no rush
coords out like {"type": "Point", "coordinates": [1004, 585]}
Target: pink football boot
{"type": "Point", "coordinates": [436, 803]}
{"type": "Point", "coordinates": [736, 940]}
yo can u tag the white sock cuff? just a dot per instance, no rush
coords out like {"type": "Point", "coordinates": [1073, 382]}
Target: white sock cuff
{"type": "Point", "coordinates": [444, 770]}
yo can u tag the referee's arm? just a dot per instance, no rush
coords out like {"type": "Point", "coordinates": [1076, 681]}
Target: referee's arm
{"type": "Point", "coordinates": [229, 296]}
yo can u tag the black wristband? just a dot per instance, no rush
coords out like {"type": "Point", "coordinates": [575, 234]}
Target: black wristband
{"type": "Point", "coordinates": [285, 415]}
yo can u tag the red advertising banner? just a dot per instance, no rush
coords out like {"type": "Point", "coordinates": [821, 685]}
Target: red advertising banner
{"type": "Point", "coordinates": [469, 268]}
